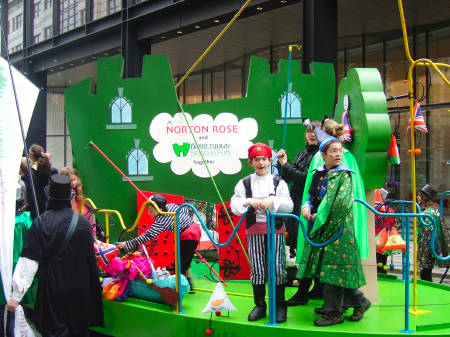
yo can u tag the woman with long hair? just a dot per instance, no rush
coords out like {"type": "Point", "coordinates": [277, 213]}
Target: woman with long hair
{"type": "Point", "coordinates": [41, 170]}
{"type": "Point", "coordinates": [77, 187]}
{"type": "Point", "coordinates": [78, 191]}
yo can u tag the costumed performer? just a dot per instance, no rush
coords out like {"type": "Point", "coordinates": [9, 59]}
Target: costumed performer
{"type": "Point", "coordinates": [189, 237]}
{"type": "Point", "coordinates": [331, 127]}
{"type": "Point", "coordinates": [59, 246]}
{"type": "Point", "coordinates": [425, 257]}
{"type": "Point", "coordinates": [263, 191]}
{"type": "Point", "coordinates": [338, 264]}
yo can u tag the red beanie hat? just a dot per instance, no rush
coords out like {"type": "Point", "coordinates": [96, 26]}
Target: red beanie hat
{"type": "Point", "coordinates": [259, 149]}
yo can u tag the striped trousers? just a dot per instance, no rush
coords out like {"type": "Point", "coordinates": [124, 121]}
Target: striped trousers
{"type": "Point", "coordinates": [257, 251]}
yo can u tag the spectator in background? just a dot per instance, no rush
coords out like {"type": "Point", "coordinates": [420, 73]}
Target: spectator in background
{"type": "Point", "coordinates": [41, 170]}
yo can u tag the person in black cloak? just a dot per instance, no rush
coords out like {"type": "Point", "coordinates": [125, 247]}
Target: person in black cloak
{"type": "Point", "coordinates": [60, 245]}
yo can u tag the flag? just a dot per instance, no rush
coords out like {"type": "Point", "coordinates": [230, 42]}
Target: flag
{"type": "Point", "coordinates": [393, 155]}
{"type": "Point", "coordinates": [419, 120]}
{"type": "Point", "coordinates": [348, 130]}
{"type": "Point", "coordinates": [11, 149]}
{"type": "Point", "coordinates": [105, 253]}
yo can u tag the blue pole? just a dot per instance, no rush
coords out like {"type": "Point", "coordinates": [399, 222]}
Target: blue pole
{"type": "Point", "coordinates": [406, 273]}
{"type": "Point", "coordinates": [180, 300]}
{"type": "Point", "coordinates": [283, 143]}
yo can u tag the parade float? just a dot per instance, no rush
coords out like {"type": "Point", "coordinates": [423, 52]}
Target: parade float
{"type": "Point", "coordinates": [132, 138]}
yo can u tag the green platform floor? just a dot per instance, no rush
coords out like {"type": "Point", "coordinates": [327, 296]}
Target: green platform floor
{"type": "Point", "coordinates": [140, 318]}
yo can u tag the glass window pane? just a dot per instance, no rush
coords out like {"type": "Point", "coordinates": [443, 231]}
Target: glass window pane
{"type": "Point", "coordinates": [396, 69]}
{"type": "Point", "coordinates": [55, 114]}
{"type": "Point", "coordinates": [439, 52]}
{"type": "Point", "coordinates": [218, 85]}
{"type": "Point", "coordinates": [15, 26]}
{"type": "Point", "coordinates": [102, 8]}
{"type": "Point", "coordinates": [206, 87]}
{"type": "Point", "coordinates": [234, 83]}
{"type": "Point", "coordinates": [193, 89]}
{"type": "Point", "coordinates": [72, 14]}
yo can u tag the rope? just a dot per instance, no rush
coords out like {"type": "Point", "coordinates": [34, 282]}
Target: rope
{"type": "Point", "coordinates": [213, 43]}
{"type": "Point", "coordinates": [118, 169]}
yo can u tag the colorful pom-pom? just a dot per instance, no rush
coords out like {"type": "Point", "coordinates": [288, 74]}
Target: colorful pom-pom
{"type": "Point", "coordinates": [208, 332]}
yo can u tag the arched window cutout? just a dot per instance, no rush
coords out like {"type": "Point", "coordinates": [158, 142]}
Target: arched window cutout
{"type": "Point", "coordinates": [120, 111]}
{"type": "Point", "coordinates": [294, 108]}
{"type": "Point", "coordinates": [137, 163]}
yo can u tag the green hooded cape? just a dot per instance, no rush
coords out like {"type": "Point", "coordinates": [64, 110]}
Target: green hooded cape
{"type": "Point", "coordinates": [359, 211]}
{"type": "Point", "coordinates": [337, 263]}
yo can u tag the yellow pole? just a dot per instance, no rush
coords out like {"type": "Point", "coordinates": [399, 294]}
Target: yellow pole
{"type": "Point", "coordinates": [412, 151]}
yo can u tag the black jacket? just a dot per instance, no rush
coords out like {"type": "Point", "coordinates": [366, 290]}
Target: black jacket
{"type": "Point", "coordinates": [296, 173]}
{"type": "Point", "coordinates": [69, 298]}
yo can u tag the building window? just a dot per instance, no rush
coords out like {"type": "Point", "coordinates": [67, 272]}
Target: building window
{"type": "Point", "coordinates": [17, 22]}
{"type": "Point", "coordinates": [82, 17]}
{"type": "Point", "coordinates": [36, 38]}
{"type": "Point", "coordinates": [48, 32]}
{"type": "Point", "coordinates": [113, 6]}
{"type": "Point", "coordinates": [48, 4]}
{"type": "Point", "coordinates": [68, 15]}
{"type": "Point", "coordinates": [36, 9]}
{"type": "Point", "coordinates": [16, 48]}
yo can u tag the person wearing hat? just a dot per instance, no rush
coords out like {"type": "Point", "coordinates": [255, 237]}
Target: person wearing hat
{"type": "Point", "coordinates": [189, 237]}
{"type": "Point", "coordinates": [60, 247]}
{"type": "Point", "coordinates": [296, 173]}
{"type": "Point", "coordinates": [263, 191]}
{"type": "Point", "coordinates": [425, 257]}
{"type": "Point", "coordinates": [332, 130]}
{"type": "Point", "coordinates": [329, 206]}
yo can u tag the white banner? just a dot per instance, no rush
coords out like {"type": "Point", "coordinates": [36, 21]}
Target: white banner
{"type": "Point", "coordinates": [222, 141]}
{"type": "Point", "coordinates": [11, 148]}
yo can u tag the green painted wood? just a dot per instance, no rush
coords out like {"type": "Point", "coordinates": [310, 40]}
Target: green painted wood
{"type": "Point", "coordinates": [89, 119]}
{"type": "Point", "coordinates": [370, 121]}
{"type": "Point", "coordinates": [386, 318]}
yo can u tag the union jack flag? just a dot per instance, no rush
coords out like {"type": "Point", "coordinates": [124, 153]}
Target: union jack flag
{"type": "Point", "coordinates": [419, 120]}
{"type": "Point", "coordinates": [348, 130]}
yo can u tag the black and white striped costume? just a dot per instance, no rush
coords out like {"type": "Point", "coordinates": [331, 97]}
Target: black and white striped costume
{"type": "Point", "coordinates": [162, 223]}
{"type": "Point", "coordinates": [257, 243]}
{"type": "Point", "coordinates": [262, 187]}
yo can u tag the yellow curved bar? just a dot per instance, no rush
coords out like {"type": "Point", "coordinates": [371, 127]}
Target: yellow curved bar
{"type": "Point", "coordinates": [144, 205]}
